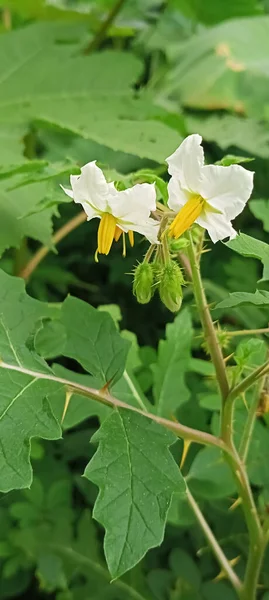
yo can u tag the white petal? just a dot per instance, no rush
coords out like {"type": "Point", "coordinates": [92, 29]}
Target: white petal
{"type": "Point", "coordinates": [177, 197]}
{"type": "Point", "coordinates": [186, 162]}
{"type": "Point", "coordinates": [149, 229]}
{"type": "Point", "coordinates": [67, 192]}
{"type": "Point", "coordinates": [135, 204]}
{"type": "Point", "coordinates": [226, 188]}
{"type": "Point", "coordinates": [91, 187]}
{"type": "Point", "coordinates": [217, 225]}
{"type": "Point", "coordinates": [89, 210]}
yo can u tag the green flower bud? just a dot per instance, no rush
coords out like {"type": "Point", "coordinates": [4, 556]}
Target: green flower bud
{"type": "Point", "coordinates": [178, 245]}
{"type": "Point", "coordinates": [170, 281]}
{"type": "Point", "coordinates": [143, 282]}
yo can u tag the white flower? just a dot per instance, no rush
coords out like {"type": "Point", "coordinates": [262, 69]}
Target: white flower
{"type": "Point", "coordinates": [208, 195]}
{"type": "Point", "coordinates": [120, 211]}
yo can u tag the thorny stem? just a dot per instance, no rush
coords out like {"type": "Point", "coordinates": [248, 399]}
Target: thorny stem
{"type": "Point", "coordinates": [101, 33]}
{"type": "Point", "coordinates": [33, 263]}
{"type": "Point", "coordinates": [181, 431]}
{"type": "Point", "coordinates": [213, 543]}
{"type": "Point", "coordinates": [248, 382]}
{"type": "Point", "coordinates": [256, 538]}
{"type": "Point", "coordinates": [207, 323]}
{"type": "Point", "coordinates": [250, 422]}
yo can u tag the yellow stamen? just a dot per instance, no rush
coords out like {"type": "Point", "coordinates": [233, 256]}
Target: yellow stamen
{"type": "Point", "coordinates": [186, 216]}
{"type": "Point", "coordinates": [131, 238]}
{"type": "Point", "coordinates": [106, 233]}
{"type": "Point", "coordinates": [123, 245]}
{"type": "Point", "coordinates": [118, 233]}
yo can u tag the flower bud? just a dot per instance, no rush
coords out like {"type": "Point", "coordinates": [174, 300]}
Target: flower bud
{"type": "Point", "coordinates": [170, 281]}
{"type": "Point", "coordinates": [178, 245]}
{"type": "Point", "coordinates": [143, 282]}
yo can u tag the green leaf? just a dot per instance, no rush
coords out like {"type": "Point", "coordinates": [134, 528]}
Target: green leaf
{"type": "Point", "coordinates": [260, 298]}
{"type": "Point", "coordinates": [212, 12]}
{"type": "Point", "coordinates": [136, 486]}
{"type": "Point", "coordinates": [250, 247]}
{"type": "Point", "coordinates": [15, 223]}
{"type": "Point", "coordinates": [93, 340]}
{"type": "Point", "coordinates": [174, 354]}
{"type": "Point", "coordinates": [25, 411]}
{"type": "Point", "coordinates": [79, 407]}
{"type": "Point", "coordinates": [260, 210]}
{"type": "Point", "coordinates": [231, 159]}
{"type": "Point", "coordinates": [220, 63]}
{"type": "Point", "coordinates": [210, 476]}
{"type": "Point", "coordinates": [230, 130]}
{"type": "Point", "coordinates": [97, 102]}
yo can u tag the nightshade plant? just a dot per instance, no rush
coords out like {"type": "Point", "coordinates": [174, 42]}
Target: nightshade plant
{"type": "Point", "coordinates": [133, 467]}
{"type": "Point", "coordinates": [134, 436]}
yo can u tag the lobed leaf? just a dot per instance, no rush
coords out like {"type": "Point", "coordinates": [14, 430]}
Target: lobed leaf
{"type": "Point", "coordinates": [174, 355]}
{"type": "Point", "coordinates": [136, 486]}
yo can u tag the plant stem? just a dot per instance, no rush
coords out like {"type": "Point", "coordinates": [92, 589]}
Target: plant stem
{"type": "Point", "coordinates": [207, 323]}
{"type": "Point", "coordinates": [33, 263]}
{"type": "Point", "coordinates": [248, 332]}
{"type": "Point", "coordinates": [250, 422]}
{"type": "Point", "coordinates": [214, 545]}
{"type": "Point", "coordinates": [87, 562]}
{"type": "Point", "coordinates": [181, 431]}
{"type": "Point", "coordinates": [248, 382]}
{"type": "Point", "coordinates": [254, 565]}
{"type": "Point", "coordinates": [101, 33]}
{"type": "Point", "coordinates": [256, 543]}
{"type": "Point", "coordinates": [6, 18]}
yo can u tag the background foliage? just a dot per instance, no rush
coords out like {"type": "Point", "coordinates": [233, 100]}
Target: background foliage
{"type": "Point", "coordinates": [162, 70]}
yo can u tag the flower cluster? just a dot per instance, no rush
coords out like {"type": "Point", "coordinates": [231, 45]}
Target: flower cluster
{"type": "Point", "coordinates": [209, 195]}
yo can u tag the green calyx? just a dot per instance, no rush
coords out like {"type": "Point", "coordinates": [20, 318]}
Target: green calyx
{"type": "Point", "coordinates": [143, 282]}
{"type": "Point", "coordinates": [170, 282]}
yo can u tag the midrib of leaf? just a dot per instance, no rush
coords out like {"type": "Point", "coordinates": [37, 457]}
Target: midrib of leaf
{"type": "Point", "coordinates": [131, 484]}
{"type": "Point", "coordinates": [134, 391]}
{"type": "Point", "coordinates": [161, 401]}
{"type": "Point", "coordinates": [10, 343]}
{"type": "Point", "coordinates": [16, 397]}
{"type": "Point", "coordinates": [20, 64]}
{"type": "Point", "coordinates": [80, 558]}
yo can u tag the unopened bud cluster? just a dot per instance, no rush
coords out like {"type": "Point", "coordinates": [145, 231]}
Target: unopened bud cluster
{"type": "Point", "coordinates": [164, 276]}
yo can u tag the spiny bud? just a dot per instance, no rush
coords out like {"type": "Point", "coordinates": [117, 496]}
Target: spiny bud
{"type": "Point", "coordinates": [143, 282]}
{"type": "Point", "coordinates": [170, 281]}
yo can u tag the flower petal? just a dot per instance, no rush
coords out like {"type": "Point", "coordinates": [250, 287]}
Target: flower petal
{"type": "Point", "coordinates": [226, 188]}
{"type": "Point", "coordinates": [149, 229]}
{"type": "Point", "coordinates": [186, 163]}
{"type": "Point", "coordinates": [217, 225]}
{"type": "Point", "coordinates": [91, 187]}
{"type": "Point", "coordinates": [67, 192]}
{"type": "Point", "coordinates": [177, 197]}
{"type": "Point", "coordinates": [135, 204]}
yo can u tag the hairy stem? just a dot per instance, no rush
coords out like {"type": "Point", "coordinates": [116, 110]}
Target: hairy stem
{"type": "Point", "coordinates": [248, 332]}
{"type": "Point", "coordinates": [214, 545]}
{"type": "Point", "coordinates": [248, 382]}
{"type": "Point", "coordinates": [207, 323]}
{"type": "Point", "coordinates": [250, 422]}
{"type": "Point", "coordinates": [33, 263]}
{"type": "Point", "coordinates": [256, 545]}
{"type": "Point", "coordinates": [181, 431]}
{"type": "Point", "coordinates": [101, 33]}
